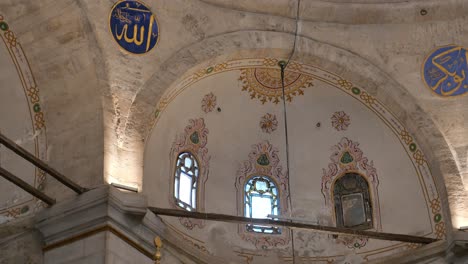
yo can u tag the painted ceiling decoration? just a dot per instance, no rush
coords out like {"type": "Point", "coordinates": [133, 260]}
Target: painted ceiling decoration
{"type": "Point", "coordinates": [133, 26]}
{"type": "Point", "coordinates": [265, 84]}
{"type": "Point", "coordinates": [268, 123]}
{"type": "Point", "coordinates": [340, 121]}
{"type": "Point", "coordinates": [445, 71]}
{"type": "Point", "coordinates": [208, 103]}
{"type": "Point", "coordinates": [35, 123]}
{"type": "Point", "coordinates": [193, 140]}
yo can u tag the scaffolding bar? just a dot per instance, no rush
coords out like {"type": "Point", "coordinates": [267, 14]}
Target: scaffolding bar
{"type": "Point", "coordinates": [25, 186]}
{"type": "Point", "coordinates": [292, 224]}
{"type": "Point", "coordinates": [40, 164]}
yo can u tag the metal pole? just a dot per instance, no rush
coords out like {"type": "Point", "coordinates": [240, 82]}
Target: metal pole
{"type": "Point", "coordinates": [291, 224]}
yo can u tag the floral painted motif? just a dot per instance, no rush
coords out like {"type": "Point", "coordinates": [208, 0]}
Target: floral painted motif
{"type": "Point", "coordinates": [352, 241]}
{"type": "Point", "coordinates": [263, 161]}
{"type": "Point", "coordinates": [340, 121]}
{"type": "Point", "coordinates": [268, 123]}
{"type": "Point", "coordinates": [265, 84]}
{"type": "Point", "coordinates": [194, 140]}
{"type": "Point", "coordinates": [208, 102]}
{"type": "Point", "coordinates": [348, 157]}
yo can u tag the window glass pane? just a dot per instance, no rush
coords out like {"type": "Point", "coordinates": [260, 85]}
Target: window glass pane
{"type": "Point", "coordinates": [261, 207]}
{"type": "Point", "coordinates": [188, 162]}
{"type": "Point", "coordinates": [185, 181]}
{"type": "Point", "coordinates": [352, 202]}
{"type": "Point", "coordinates": [275, 211]}
{"type": "Point", "coordinates": [353, 209]}
{"type": "Point", "coordinates": [261, 186]}
{"type": "Point", "coordinates": [194, 199]}
{"type": "Point", "coordinates": [176, 188]}
{"type": "Point", "coordinates": [185, 190]}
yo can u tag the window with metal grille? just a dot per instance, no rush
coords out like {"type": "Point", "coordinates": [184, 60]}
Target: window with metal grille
{"type": "Point", "coordinates": [185, 181]}
{"type": "Point", "coordinates": [261, 199]}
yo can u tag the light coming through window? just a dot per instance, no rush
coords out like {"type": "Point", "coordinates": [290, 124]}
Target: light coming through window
{"type": "Point", "coordinates": [185, 182]}
{"type": "Point", "coordinates": [261, 199]}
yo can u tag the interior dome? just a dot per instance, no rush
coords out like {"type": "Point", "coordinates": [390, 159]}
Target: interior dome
{"type": "Point", "coordinates": [231, 117]}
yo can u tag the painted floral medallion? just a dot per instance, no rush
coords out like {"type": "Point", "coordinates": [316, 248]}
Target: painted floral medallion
{"type": "Point", "coordinates": [208, 103]}
{"type": "Point", "coordinates": [268, 123]}
{"type": "Point", "coordinates": [340, 121]}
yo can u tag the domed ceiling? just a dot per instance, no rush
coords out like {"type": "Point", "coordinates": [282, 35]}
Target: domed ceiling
{"type": "Point", "coordinates": [235, 111]}
{"type": "Point", "coordinates": [100, 103]}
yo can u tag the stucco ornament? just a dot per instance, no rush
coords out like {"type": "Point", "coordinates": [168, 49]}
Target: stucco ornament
{"type": "Point", "coordinates": [340, 121]}
{"type": "Point", "coordinates": [348, 157]}
{"type": "Point", "coordinates": [208, 103]}
{"type": "Point", "coordinates": [193, 140]}
{"type": "Point", "coordinates": [263, 161]}
{"type": "Point", "coordinates": [265, 84]}
{"type": "Point", "coordinates": [268, 123]}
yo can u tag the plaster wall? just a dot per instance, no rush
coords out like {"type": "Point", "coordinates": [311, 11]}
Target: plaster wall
{"type": "Point", "coordinates": [23, 122]}
{"type": "Point", "coordinates": [16, 123]}
{"type": "Point", "coordinates": [55, 39]}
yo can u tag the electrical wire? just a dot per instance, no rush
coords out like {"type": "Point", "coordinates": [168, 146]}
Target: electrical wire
{"type": "Point", "coordinates": [295, 33]}
{"type": "Point", "coordinates": [283, 66]}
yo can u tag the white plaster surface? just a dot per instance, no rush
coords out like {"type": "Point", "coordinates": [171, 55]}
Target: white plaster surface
{"type": "Point", "coordinates": [236, 128]}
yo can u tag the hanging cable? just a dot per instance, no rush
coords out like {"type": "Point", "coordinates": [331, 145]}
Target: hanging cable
{"type": "Point", "coordinates": [283, 65]}
{"type": "Point", "coordinates": [295, 33]}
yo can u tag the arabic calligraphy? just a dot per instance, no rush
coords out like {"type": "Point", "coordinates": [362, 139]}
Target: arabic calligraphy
{"type": "Point", "coordinates": [133, 26]}
{"type": "Point", "coordinates": [445, 71]}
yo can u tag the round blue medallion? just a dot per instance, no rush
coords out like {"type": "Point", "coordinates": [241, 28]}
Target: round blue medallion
{"type": "Point", "coordinates": [445, 71]}
{"type": "Point", "coordinates": [133, 26]}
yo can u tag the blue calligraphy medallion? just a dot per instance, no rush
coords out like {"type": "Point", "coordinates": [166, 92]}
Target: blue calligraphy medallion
{"type": "Point", "coordinates": [133, 26]}
{"type": "Point", "coordinates": [445, 71]}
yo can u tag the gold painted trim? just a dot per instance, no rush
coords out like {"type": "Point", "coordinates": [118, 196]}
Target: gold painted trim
{"type": "Point", "coordinates": [106, 228]}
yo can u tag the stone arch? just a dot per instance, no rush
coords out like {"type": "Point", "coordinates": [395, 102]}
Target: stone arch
{"type": "Point", "coordinates": [245, 44]}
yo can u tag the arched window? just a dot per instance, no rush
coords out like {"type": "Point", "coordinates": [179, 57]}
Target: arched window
{"type": "Point", "coordinates": [261, 199]}
{"type": "Point", "coordinates": [352, 202]}
{"type": "Point", "coordinates": [186, 180]}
